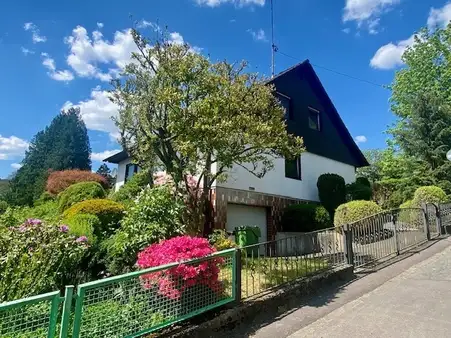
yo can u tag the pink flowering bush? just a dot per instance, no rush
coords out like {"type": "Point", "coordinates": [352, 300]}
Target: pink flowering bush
{"type": "Point", "coordinates": [174, 282]}
{"type": "Point", "coordinates": [36, 257]}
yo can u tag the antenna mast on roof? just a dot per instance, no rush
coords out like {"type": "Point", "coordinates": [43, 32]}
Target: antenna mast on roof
{"type": "Point", "coordinates": [273, 46]}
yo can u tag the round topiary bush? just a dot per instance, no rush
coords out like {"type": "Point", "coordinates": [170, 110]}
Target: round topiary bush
{"type": "Point", "coordinates": [84, 225]}
{"type": "Point", "coordinates": [358, 192]}
{"type": "Point", "coordinates": [331, 191]}
{"type": "Point", "coordinates": [429, 194]}
{"type": "Point", "coordinates": [354, 211]}
{"type": "Point", "coordinates": [79, 192]}
{"type": "Point", "coordinates": [363, 181]}
{"type": "Point", "coordinates": [109, 213]}
{"type": "Point", "coordinates": [407, 205]}
{"type": "Point", "coordinates": [305, 218]}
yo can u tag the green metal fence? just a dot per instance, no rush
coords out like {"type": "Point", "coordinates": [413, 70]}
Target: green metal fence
{"type": "Point", "coordinates": [141, 302]}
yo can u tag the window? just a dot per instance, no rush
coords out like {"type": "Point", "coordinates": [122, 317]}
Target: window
{"type": "Point", "coordinates": [313, 119]}
{"type": "Point", "coordinates": [285, 101]}
{"type": "Point", "coordinates": [130, 170]}
{"type": "Point", "coordinates": [293, 168]}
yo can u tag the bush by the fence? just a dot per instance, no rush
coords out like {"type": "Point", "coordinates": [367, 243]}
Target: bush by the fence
{"type": "Point", "coordinates": [220, 240]}
{"type": "Point", "coordinates": [305, 218]}
{"type": "Point", "coordinates": [354, 211]}
{"type": "Point", "coordinates": [358, 192]}
{"type": "Point", "coordinates": [363, 181]}
{"type": "Point", "coordinates": [407, 205]}
{"type": "Point", "coordinates": [109, 213]}
{"type": "Point", "coordinates": [331, 191]}
{"type": "Point", "coordinates": [429, 194]}
{"type": "Point", "coordinates": [59, 181]}
{"type": "Point", "coordinates": [79, 192]}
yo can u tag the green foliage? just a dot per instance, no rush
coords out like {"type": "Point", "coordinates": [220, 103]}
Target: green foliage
{"type": "Point", "coordinates": [331, 191]}
{"type": "Point", "coordinates": [47, 212]}
{"type": "Point", "coordinates": [305, 218]}
{"type": "Point", "coordinates": [109, 213]}
{"type": "Point", "coordinates": [407, 205]}
{"type": "Point", "coordinates": [220, 240]}
{"type": "Point", "coordinates": [354, 211]}
{"type": "Point", "coordinates": [363, 181]}
{"type": "Point", "coordinates": [36, 258]}
{"type": "Point", "coordinates": [64, 144]}
{"type": "Point", "coordinates": [429, 194]}
{"type": "Point", "coordinates": [3, 206]}
{"type": "Point", "coordinates": [133, 187]}
{"type": "Point", "coordinates": [155, 216]}
{"type": "Point", "coordinates": [79, 192]}
{"type": "Point", "coordinates": [44, 198]}
{"type": "Point", "coordinates": [357, 191]}
{"type": "Point", "coordinates": [4, 188]}
{"type": "Point", "coordinates": [84, 225]}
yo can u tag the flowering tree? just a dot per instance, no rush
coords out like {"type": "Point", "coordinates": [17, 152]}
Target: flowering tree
{"type": "Point", "coordinates": [173, 282]}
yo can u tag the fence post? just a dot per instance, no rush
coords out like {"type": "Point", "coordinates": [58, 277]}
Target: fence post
{"type": "Point", "coordinates": [67, 306]}
{"type": "Point", "coordinates": [426, 222]}
{"type": "Point", "coordinates": [347, 239]}
{"type": "Point", "coordinates": [237, 273]}
{"type": "Point", "coordinates": [438, 219]}
{"type": "Point", "coordinates": [395, 230]}
{"type": "Point", "coordinates": [53, 316]}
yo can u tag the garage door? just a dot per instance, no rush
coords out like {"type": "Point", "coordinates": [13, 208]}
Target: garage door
{"type": "Point", "coordinates": [238, 215]}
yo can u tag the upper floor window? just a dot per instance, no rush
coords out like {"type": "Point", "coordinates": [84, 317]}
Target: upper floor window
{"type": "Point", "coordinates": [130, 170]}
{"type": "Point", "coordinates": [293, 168]}
{"type": "Point", "coordinates": [285, 101]}
{"type": "Point", "coordinates": [314, 119]}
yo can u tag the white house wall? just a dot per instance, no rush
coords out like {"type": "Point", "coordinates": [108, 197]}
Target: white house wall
{"type": "Point", "coordinates": [120, 178]}
{"type": "Point", "coordinates": [275, 182]}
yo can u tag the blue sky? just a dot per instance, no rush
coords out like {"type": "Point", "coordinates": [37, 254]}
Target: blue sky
{"type": "Point", "coordinates": [56, 54]}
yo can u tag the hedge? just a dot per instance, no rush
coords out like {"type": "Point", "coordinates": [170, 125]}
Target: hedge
{"type": "Point", "coordinates": [59, 181]}
{"type": "Point", "coordinates": [305, 218]}
{"type": "Point", "coordinates": [109, 213]}
{"type": "Point", "coordinates": [79, 192]}
{"type": "Point", "coordinates": [354, 211]}
{"type": "Point", "coordinates": [357, 192]}
{"type": "Point", "coordinates": [331, 191]}
{"type": "Point", "coordinates": [363, 181]}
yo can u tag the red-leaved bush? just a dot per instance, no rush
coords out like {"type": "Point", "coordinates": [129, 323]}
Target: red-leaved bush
{"type": "Point", "coordinates": [174, 281]}
{"type": "Point", "coordinates": [58, 181]}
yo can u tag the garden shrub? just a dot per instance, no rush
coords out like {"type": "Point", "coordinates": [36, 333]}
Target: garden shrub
{"type": "Point", "coordinates": [177, 281]}
{"type": "Point", "coordinates": [429, 194]}
{"type": "Point", "coordinates": [37, 258]}
{"type": "Point", "coordinates": [47, 212]}
{"type": "Point", "coordinates": [44, 198]}
{"type": "Point", "coordinates": [407, 205]}
{"type": "Point", "coordinates": [156, 215]}
{"type": "Point", "coordinates": [305, 218]}
{"type": "Point", "coordinates": [364, 181]}
{"type": "Point", "coordinates": [133, 187]}
{"type": "Point", "coordinates": [3, 206]}
{"type": "Point", "coordinates": [109, 213]}
{"type": "Point", "coordinates": [84, 225]}
{"type": "Point", "coordinates": [59, 181]}
{"type": "Point", "coordinates": [220, 240]}
{"type": "Point", "coordinates": [331, 191]}
{"type": "Point", "coordinates": [79, 192]}
{"type": "Point", "coordinates": [354, 211]}
{"type": "Point", "coordinates": [358, 192]}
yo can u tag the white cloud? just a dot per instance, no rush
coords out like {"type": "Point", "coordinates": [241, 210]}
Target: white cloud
{"type": "Point", "coordinates": [58, 75]}
{"type": "Point", "coordinates": [11, 147]}
{"type": "Point", "coordinates": [144, 24]}
{"type": "Point", "coordinates": [439, 17]}
{"type": "Point", "coordinates": [346, 30]}
{"type": "Point", "coordinates": [360, 139]}
{"type": "Point", "coordinates": [367, 12]}
{"type": "Point", "coordinates": [36, 37]}
{"type": "Point", "coordinates": [389, 56]}
{"type": "Point", "coordinates": [26, 51]}
{"type": "Point", "coordinates": [258, 35]}
{"type": "Point", "coordinates": [99, 25]}
{"type": "Point", "coordinates": [97, 112]}
{"type": "Point", "coordinates": [16, 165]}
{"type": "Point", "coordinates": [240, 3]}
{"type": "Point", "coordinates": [103, 155]}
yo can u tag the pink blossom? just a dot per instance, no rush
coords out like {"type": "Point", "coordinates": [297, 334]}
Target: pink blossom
{"type": "Point", "coordinates": [64, 228]}
{"type": "Point", "coordinates": [81, 239]}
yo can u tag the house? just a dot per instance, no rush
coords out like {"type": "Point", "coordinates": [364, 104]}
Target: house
{"type": "Point", "coordinates": [247, 200]}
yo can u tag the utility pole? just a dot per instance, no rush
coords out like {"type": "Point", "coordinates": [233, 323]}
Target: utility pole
{"type": "Point", "coordinates": [273, 46]}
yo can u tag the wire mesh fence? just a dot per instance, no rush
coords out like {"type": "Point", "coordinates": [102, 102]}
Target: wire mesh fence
{"type": "Point", "coordinates": [270, 264]}
{"type": "Point", "coordinates": [32, 317]}
{"type": "Point", "coordinates": [141, 302]}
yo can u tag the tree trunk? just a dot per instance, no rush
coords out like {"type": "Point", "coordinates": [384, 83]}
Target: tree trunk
{"type": "Point", "coordinates": [206, 199]}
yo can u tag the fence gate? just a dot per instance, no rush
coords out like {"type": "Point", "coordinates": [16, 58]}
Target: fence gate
{"type": "Point", "coordinates": [433, 219]}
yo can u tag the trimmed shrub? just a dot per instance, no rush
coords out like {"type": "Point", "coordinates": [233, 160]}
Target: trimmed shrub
{"type": "Point", "coordinates": [407, 204]}
{"type": "Point", "coordinates": [79, 192]}
{"type": "Point", "coordinates": [305, 218]}
{"type": "Point", "coordinates": [364, 181]}
{"type": "Point", "coordinates": [133, 187]}
{"type": "Point", "coordinates": [331, 191]}
{"type": "Point", "coordinates": [429, 194]}
{"type": "Point", "coordinates": [59, 181]}
{"type": "Point", "coordinates": [3, 206]}
{"type": "Point", "coordinates": [220, 240]}
{"type": "Point", "coordinates": [155, 216]}
{"type": "Point", "coordinates": [180, 280]}
{"type": "Point", "coordinates": [358, 192]}
{"type": "Point", "coordinates": [109, 213]}
{"type": "Point", "coordinates": [84, 225]}
{"type": "Point", "coordinates": [354, 211]}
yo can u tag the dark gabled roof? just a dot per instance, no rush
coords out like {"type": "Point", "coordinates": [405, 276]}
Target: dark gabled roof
{"type": "Point", "coordinates": [309, 73]}
{"type": "Point", "coordinates": [118, 157]}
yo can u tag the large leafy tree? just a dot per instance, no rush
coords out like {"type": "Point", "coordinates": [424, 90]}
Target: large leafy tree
{"type": "Point", "coordinates": [64, 144]}
{"type": "Point", "coordinates": [193, 117]}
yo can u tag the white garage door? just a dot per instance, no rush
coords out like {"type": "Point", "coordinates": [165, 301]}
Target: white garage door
{"type": "Point", "coordinates": [238, 215]}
